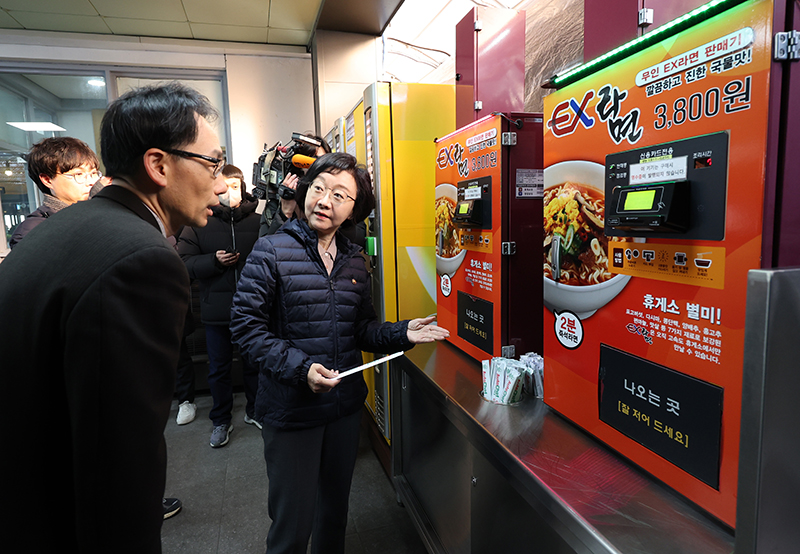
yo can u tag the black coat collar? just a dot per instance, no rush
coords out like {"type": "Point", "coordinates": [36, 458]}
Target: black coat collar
{"type": "Point", "coordinates": [123, 196]}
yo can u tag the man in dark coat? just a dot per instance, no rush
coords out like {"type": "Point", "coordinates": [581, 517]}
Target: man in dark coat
{"type": "Point", "coordinates": [93, 308]}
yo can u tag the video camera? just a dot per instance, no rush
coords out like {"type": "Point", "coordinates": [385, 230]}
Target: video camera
{"type": "Point", "coordinates": [276, 163]}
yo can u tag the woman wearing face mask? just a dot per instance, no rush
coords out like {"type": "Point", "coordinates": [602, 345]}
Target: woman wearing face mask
{"type": "Point", "coordinates": [215, 255]}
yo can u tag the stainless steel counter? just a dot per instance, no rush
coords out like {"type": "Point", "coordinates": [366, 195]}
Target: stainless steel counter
{"type": "Point", "coordinates": [594, 500]}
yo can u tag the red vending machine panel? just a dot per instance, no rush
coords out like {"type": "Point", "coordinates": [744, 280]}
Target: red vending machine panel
{"type": "Point", "coordinates": [488, 236]}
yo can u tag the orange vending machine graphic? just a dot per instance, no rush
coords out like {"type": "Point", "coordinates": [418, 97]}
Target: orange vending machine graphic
{"type": "Point", "coordinates": [488, 201]}
{"type": "Point", "coordinates": [653, 199]}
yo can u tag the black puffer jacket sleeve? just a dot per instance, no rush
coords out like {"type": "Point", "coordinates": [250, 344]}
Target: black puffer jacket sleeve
{"type": "Point", "coordinates": [374, 336]}
{"type": "Point", "coordinates": [253, 308]}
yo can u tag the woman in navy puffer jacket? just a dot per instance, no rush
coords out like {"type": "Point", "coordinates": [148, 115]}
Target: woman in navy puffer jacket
{"type": "Point", "coordinates": [302, 314]}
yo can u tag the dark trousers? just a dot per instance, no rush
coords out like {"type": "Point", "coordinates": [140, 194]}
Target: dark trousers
{"type": "Point", "coordinates": [309, 473]}
{"type": "Point", "coordinates": [184, 379]}
{"type": "Point", "coordinates": [220, 357]}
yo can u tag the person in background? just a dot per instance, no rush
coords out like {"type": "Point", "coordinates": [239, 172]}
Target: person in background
{"type": "Point", "coordinates": [215, 255]}
{"type": "Point", "coordinates": [93, 308]}
{"type": "Point", "coordinates": [274, 217]}
{"type": "Point", "coordinates": [302, 314]}
{"type": "Point", "coordinates": [185, 377]}
{"type": "Point", "coordinates": [64, 169]}
{"type": "Point", "coordinates": [101, 183]}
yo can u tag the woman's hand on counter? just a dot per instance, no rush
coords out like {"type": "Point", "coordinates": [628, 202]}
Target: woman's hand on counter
{"type": "Point", "coordinates": [420, 330]}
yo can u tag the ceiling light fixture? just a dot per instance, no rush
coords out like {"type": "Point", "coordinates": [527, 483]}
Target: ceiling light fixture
{"type": "Point", "coordinates": [38, 126]}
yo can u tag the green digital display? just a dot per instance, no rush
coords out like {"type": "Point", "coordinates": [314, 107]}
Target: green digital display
{"type": "Point", "coordinates": [463, 208]}
{"type": "Point", "coordinates": [639, 200]}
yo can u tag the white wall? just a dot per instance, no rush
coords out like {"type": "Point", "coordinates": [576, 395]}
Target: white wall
{"type": "Point", "coordinates": [269, 99]}
{"type": "Point", "coordinates": [346, 64]}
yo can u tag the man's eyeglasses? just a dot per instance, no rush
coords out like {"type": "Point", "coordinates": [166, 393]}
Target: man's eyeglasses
{"type": "Point", "coordinates": [219, 163]}
{"type": "Point", "coordinates": [82, 178]}
{"type": "Point", "coordinates": [337, 197]}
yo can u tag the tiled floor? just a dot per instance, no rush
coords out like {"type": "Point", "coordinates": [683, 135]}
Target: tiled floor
{"type": "Point", "coordinates": [224, 494]}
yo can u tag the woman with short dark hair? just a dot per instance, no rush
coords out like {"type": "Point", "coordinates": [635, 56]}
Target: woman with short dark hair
{"type": "Point", "coordinates": [302, 314]}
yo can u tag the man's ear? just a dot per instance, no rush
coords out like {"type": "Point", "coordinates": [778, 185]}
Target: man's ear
{"type": "Point", "coordinates": [46, 181]}
{"type": "Point", "coordinates": [157, 166]}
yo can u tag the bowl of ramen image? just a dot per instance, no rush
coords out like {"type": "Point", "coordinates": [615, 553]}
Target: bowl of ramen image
{"type": "Point", "coordinates": [576, 275]}
{"type": "Point", "coordinates": [449, 253]}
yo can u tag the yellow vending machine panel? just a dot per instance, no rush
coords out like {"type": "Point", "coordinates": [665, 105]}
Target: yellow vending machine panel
{"type": "Point", "coordinates": [401, 121]}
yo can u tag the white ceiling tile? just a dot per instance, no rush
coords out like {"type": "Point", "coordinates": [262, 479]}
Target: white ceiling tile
{"type": "Point", "coordinates": [147, 28]}
{"type": "Point", "coordinates": [74, 7]}
{"type": "Point", "coordinates": [294, 14]}
{"type": "Point", "coordinates": [254, 13]}
{"type": "Point", "coordinates": [8, 22]}
{"type": "Point", "coordinates": [61, 22]}
{"type": "Point", "coordinates": [161, 10]}
{"type": "Point", "coordinates": [288, 36]}
{"type": "Point", "coordinates": [206, 31]}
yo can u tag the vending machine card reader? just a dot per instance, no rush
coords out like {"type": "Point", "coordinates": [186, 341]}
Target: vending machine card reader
{"type": "Point", "coordinates": [669, 190]}
{"type": "Point", "coordinates": [474, 207]}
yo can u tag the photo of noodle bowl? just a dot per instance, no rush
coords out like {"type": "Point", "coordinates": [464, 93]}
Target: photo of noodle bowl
{"type": "Point", "coordinates": [449, 253]}
{"type": "Point", "coordinates": [575, 248]}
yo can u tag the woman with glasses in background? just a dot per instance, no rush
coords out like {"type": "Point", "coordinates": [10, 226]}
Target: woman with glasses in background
{"type": "Point", "coordinates": [302, 314]}
{"type": "Point", "coordinates": [64, 169]}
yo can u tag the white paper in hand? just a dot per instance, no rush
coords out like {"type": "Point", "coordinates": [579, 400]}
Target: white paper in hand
{"type": "Point", "coordinates": [368, 365]}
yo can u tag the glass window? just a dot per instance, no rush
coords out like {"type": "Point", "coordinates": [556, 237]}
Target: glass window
{"type": "Point", "coordinates": [12, 108]}
{"type": "Point", "coordinates": [13, 192]}
{"type": "Point", "coordinates": [75, 103]}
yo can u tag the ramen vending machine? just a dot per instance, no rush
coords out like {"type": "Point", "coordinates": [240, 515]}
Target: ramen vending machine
{"type": "Point", "coordinates": [654, 188]}
{"type": "Point", "coordinates": [488, 202]}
